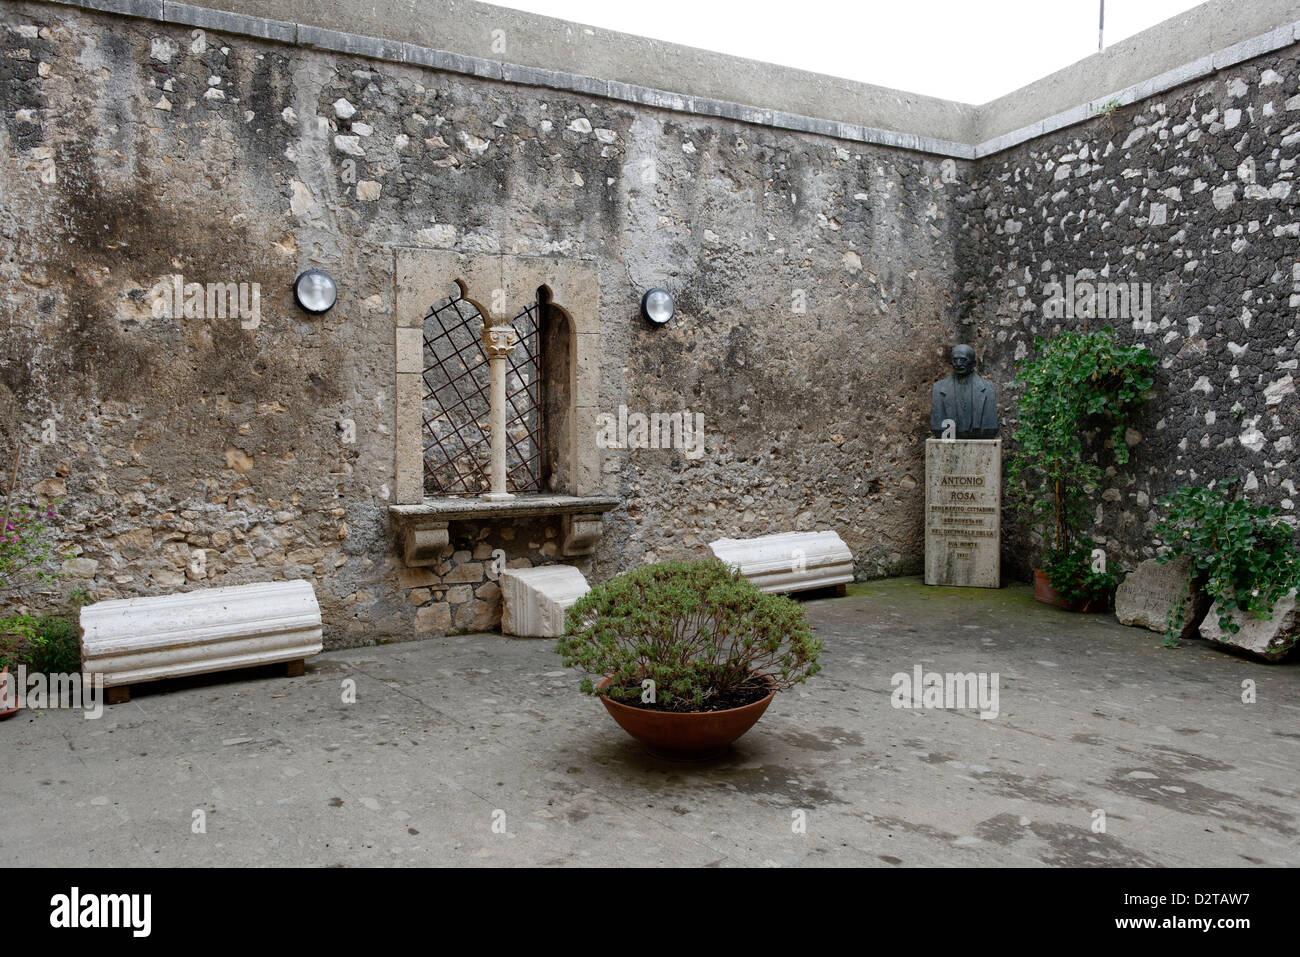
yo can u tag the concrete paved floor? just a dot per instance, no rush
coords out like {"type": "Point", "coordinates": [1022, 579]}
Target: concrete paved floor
{"type": "Point", "coordinates": [447, 734]}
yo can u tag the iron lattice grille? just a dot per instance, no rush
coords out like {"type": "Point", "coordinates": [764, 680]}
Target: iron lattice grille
{"type": "Point", "coordinates": [457, 403]}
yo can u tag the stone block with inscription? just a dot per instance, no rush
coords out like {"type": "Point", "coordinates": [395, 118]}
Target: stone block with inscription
{"type": "Point", "coordinates": [963, 512]}
{"type": "Point", "coordinates": [1144, 598]}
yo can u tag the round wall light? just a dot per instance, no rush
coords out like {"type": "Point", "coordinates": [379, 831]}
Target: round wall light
{"type": "Point", "coordinates": [316, 291]}
{"type": "Point", "coordinates": [657, 305]}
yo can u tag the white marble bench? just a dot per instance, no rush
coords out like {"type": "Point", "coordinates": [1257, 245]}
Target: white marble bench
{"type": "Point", "coordinates": [210, 629]}
{"type": "Point", "coordinates": [789, 561]}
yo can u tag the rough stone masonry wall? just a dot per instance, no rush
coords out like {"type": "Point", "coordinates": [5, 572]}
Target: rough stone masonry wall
{"type": "Point", "coordinates": [1192, 192]}
{"type": "Point", "coordinates": [815, 281]}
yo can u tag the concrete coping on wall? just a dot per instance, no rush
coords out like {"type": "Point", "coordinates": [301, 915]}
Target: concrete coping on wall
{"type": "Point", "coordinates": [393, 51]}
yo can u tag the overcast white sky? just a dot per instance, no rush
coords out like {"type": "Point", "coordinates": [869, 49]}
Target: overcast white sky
{"type": "Point", "coordinates": [967, 50]}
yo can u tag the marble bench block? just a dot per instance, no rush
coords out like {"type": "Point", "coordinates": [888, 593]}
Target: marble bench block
{"type": "Point", "coordinates": [209, 629]}
{"type": "Point", "coordinates": [534, 600]}
{"type": "Point", "coordinates": [789, 561]}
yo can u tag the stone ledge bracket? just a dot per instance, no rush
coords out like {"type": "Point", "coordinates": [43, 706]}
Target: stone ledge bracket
{"type": "Point", "coordinates": [424, 543]}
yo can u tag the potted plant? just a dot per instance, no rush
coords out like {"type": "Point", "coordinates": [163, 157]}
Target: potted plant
{"type": "Point", "coordinates": [8, 694]}
{"type": "Point", "coordinates": [1080, 380]}
{"type": "Point", "coordinates": [16, 632]}
{"type": "Point", "coordinates": [1243, 556]}
{"type": "Point", "coordinates": [46, 644]}
{"type": "Point", "coordinates": [1077, 578]}
{"type": "Point", "coordinates": [687, 655]}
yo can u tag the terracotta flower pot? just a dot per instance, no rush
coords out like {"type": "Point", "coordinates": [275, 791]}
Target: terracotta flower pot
{"type": "Point", "coordinates": [9, 691]}
{"type": "Point", "coordinates": [1044, 592]}
{"type": "Point", "coordinates": [688, 736]}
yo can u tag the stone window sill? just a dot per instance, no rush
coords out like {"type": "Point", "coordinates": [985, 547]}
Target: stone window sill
{"type": "Point", "coordinates": [424, 527]}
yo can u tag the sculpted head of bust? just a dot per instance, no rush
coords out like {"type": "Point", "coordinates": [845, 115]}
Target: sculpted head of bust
{"type": "Point", "coordinates": [963, 361]}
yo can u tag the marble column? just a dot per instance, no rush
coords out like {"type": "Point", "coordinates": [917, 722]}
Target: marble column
{"type": "Point", "coordinates": [498, 341]}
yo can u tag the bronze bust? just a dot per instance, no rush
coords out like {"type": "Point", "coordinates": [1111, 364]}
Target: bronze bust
{"type": "Point", "coordinates": [969, 400]}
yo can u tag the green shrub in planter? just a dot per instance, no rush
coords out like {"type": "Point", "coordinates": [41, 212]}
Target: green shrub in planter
{"type": "Point", "coordinates": [699, 630]}
{"type": "Point", "coordinates": [1079, 380]}
{"type": "Point", "coordinates": [1075, 576]}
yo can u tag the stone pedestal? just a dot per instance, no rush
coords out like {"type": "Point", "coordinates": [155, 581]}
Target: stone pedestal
{"type": "Point", "coordinates": [963, 512]}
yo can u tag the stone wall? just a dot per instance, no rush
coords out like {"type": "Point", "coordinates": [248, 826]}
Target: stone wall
{"type": "Point", "coordinates": [816, 280]}
{"type": "Point", "coordinates": [819, 281]}
{"type": "Point", "coordinates": [1188, 194]}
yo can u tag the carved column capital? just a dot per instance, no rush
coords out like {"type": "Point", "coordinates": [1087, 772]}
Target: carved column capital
{"type": "Point", "coordinates": [499, 340]}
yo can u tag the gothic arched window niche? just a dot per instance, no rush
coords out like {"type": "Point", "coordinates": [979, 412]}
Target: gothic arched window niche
{"type": "Point", "coordinates": [442, 408]}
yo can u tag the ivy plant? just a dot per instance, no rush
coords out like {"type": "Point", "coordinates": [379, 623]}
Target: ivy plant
{"type": "Point", "coordinates": [1245, 555]}
{"type": "Point", "coordinates": [1078, 381]}
{"type": "Point", "coordinates": [698, 629]}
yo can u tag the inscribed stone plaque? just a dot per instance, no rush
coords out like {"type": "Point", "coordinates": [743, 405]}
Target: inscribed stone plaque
{"type": "Point", "coordinates": [963, 512]}
{"type": "Point", "coordinates": [1144, 598]}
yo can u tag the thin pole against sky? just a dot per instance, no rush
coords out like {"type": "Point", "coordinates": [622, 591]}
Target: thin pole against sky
{"type": "Point", "coordinates": [1101, 25]}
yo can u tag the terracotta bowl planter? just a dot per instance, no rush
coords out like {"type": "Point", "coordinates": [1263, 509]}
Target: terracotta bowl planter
{"type": "Point", "coordinates": [10, 698]}
{"type": "Point", "coordinates": [1044, 592]}
{"type": "Point", "coordinates": [690, 736]}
